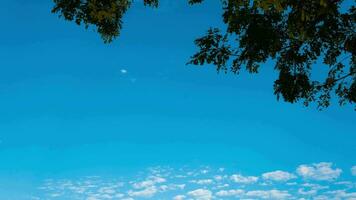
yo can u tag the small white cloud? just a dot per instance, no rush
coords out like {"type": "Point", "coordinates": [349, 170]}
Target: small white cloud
{"type": "Point", "coordinates": [107, 190]}
{"type": "Point", "coordinates": [123, 71]}
{"type": "Point", "coordinates": [201, 194]}
{"type": "Point", "coordinates": [146, 193]}
{"type": "Point", "coordinates": [315, 186]}
{"type": "Point", "coordinates": [347, 184]}
{"type": "Point", "coordinates": [55, 194]}
{"type": "Point", "coordinates": [218, 178]}
{"type": "Point", "coordinates": [278, 176]}
{"type": "Point", "coordinates": [291, 183]}
{"type": "Point", "coordinates": [238, 178]}
{"type": "Point", "coordinates": [223, 185]}
{"type": "Point", "coordinates": [319, 171]}
{"type": "Point", "coordinates": [303, 191]}
{"type": "Point", "coordinates": [179, 197]}
{"type": "Point", "coordinates": [151, 181]}
{"type": "Point", "coordinates": [171, 187]}
{"type": "Point", "coordinates": [321, 197]}
{"type": "Point", "coordinates": [204, 171]}
{"type": "Point", "coordinates": [179, 186]}
{"type": "Point", "coordinates": [230, 193]}
{"type": "Point", "coordinates": [203, 181]}
{"type": "Point", "coordinates": [353, 170]}
{"type": "Point", "coordinates": [269, 194]}
{"type": "Point", "coordinates": [163, 187]}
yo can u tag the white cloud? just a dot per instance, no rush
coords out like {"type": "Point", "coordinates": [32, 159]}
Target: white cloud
{"type": "Point", "coordinates": [278, 176]}
{"type": "Point", "coordinates": [171, 187]}
{"type": "Point", "coordinates": [353, 170]}
{"type": "Point", "coordinates": [310, 192]}
{"type": "Point", "coordinates": [230, 193]}
{"type": "Point", "coordinates": [146, 193]}
{"type": "Point", "coordinates": [164, 184]}
{"type": "Point", "coordinates": [201, 194]}
{"type": "Point", "coordinates": [269, 194]}
{"type": "Point", "coordinates": [319, 171]}
{"type": "Point", "coordinates": [238, 178]}
{"type": "Point", "coordinates": [347, 184]}
{"type": "Point", "coordinates": [342, 194]}
{"type": "Point", "coordinates": [55, 194]}
{"type": "Point", "coordinates": [203, 181]}
{"type": "Point", "coordinates": [107, 190]}
{"type": "Point", "coordinates": [321, 197]}
{"type": "Point", "coordinates": [315, 186]}
{"type": "Point", "coordinates": [83, 188]}
{"type": "Point", "coordinates": [223, 185]}
{"type": "Point", "coordinates": [180, 186]}
{"type": "Point", "coordinates": [179, 197]}
{"type": "Point", "coordinates": [151, 181]}
{"type": "Point", "coordinates": [123, 71]}
{"type": "Point", "coordinates": [218, 178]}
{"type": "Point", "coordinates": [204, 171]}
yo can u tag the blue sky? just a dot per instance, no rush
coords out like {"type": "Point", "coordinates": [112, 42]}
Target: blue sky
{"type": "Point", "coordinates": [72, 107]}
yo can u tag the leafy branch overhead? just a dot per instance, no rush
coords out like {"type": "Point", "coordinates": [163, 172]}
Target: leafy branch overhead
{"type": "Point", "coordinates": [296, 35]}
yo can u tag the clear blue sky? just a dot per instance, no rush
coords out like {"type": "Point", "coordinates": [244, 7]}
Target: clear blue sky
{"type": "Point", "coordinates": [71, 106]}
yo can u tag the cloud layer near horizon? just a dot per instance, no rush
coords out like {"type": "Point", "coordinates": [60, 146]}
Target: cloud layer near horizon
{"type": "Point", "coordinates": [319, 181]}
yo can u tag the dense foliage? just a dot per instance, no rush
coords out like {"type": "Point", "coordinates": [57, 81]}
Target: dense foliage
{"type": "Point", "coordinates": [300, 36]}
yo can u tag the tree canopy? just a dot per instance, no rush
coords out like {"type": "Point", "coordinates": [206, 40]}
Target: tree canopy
{"type": "Point", "coordinates": [297, 35]}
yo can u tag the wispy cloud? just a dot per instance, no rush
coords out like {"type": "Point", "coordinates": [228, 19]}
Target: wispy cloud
{"type": "Point", "coordinates": [203, 181]}
{"type": "Point", "coordinates": [151, 181]}
{"type": "Point", "coordinates": [268, 194]}
{"type": "Point", "coordinates": [146, 192]}
{"type": "Point", "coordinates": [238, 178]}
{"type": "Point", "coordinates": [201, 194]}
{"type": "Point", "coordinates": [278, 176]}
{"type": "Point", "coordinates": [230, 193]}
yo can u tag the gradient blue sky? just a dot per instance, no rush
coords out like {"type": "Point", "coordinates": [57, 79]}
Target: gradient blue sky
{"type": "Point", "coordinates": [67, 108]}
